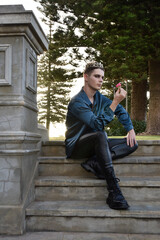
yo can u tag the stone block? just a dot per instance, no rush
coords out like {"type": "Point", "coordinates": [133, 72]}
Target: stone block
{"type": "Point", "coordinates": [43, 132]}
{"type": "Point", "coordinates": [1, 187]}
{"type": "Point", "coordinates": [11, 162]}
{"type": "Point", "coordinates": [4, 174]}
{"type": "Point", "coordinates": [12, 193]}
{"type": "Point", "coordinates": [28, 171]}
{"type": "Point", "coordinates": [12, 221]}
{"type": "Point", "coordinates": [15, 175]}
{"type": "Point", "coordinates": [17, 118]}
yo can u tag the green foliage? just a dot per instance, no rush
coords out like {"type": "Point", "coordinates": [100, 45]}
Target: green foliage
{"type": "Point", "coordinates": [54, 83]}
{"type": "Point", "coordinates": [139, 126]}
{"type": "Point", "coordinates": [115, 128]}
{"type": "Point", "coordinates": [123, 34]}
{"type": "Point", "coordinates": [53, 89]}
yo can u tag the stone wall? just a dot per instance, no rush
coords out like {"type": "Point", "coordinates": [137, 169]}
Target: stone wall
{"type": "Point", "coordinates": [21, 40]}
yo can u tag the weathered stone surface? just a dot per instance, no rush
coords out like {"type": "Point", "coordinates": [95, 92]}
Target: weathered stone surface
{"type": "Point", "coordinates": [80, 236]}
{"type": "Point", "coordinates": [18, 15]}
{"type": "Point", "coordinates": [68, 188]}
{"type": "Point", "coordinates": [43, 132]}
{"type": "Point", "coordinates": [17, 166]}
{"type": "Point", "coordinates": [13, 8]}
{"type": "Point", "coordinates": [93, 217]}
{"type": "Point", "coordinates": [11, 220]}
{"type": "Point", "coordinates": [129, 166]}
{"type": "Point", "coordinates": [88, 224]}
{"type": "Point", "coordinates": [21, 40]}
{"type": "Point", "coordinates": [66, 200]}
{"type": "Point", "coordinates": [92, 209]}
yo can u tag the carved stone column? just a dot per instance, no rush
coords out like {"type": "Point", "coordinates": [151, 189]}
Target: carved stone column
{"type": "Point", "coordinates": [21, 40]}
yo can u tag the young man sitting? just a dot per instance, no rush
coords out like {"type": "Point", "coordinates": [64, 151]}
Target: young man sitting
{"type": "Point", "coordinates": [88, 113]}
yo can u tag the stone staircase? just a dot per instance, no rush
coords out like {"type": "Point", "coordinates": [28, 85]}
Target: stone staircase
{"type": "Point", "coordinates": [71, 202]}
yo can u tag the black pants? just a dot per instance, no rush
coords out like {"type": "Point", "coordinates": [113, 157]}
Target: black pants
{"type": "Point", "coordinates": [105, 149]}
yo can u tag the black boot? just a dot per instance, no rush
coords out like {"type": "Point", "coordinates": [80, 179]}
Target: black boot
{"type": "Point", "coordinates": [115, 198]}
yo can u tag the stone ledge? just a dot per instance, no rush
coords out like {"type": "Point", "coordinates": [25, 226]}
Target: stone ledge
{"type": "Point", "coordinates": [19, 103]}
{"type": "Point", "coordinates": [92, 209]}
{"type": "Point", "coordinates": [18, 152]}
{"type": "Point", "coordinates": [140, 142]}
{"type": "Point", "coordinates": [19, 136]}
{"type": "Point", "coordinates": [80, 236]}
{"type": "Point", "coordinates": [125, 160]}
{"type": "Point", "coordinates": [65, 181]}
{"type": "Point", "coordinates": [23, 17]}
{"type": "Point", "coordinates": [13, 8]}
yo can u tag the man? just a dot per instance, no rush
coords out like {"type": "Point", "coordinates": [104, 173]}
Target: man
{"type": "Point", "coordinates": [88, 113]}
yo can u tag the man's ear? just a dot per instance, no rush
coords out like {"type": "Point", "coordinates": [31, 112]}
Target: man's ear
{"type": "Point", "coordinates": [85, 76]}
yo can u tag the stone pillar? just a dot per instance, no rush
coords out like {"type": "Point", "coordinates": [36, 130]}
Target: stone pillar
{"type": "Point", "coordinates": [21, 40]}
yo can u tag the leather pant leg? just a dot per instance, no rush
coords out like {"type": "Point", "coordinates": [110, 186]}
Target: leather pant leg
{"type": "Point", "coordinates": [119, 147]}
{"type": "Point", "coordinates": [97, 144]}
{"type": "Point", "coordinates": [91, 144]}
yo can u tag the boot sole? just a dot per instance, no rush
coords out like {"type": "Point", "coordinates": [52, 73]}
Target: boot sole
{"type": "Point", "coordinates": [118, 206]}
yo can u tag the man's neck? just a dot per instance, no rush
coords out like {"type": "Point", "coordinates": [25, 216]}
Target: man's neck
{"type": "Point", "coordinates": [90, 93]}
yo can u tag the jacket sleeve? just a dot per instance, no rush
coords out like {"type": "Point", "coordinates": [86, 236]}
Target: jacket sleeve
{"type": "Point", "coordinates": [121, 113]}
{"type": "Point", "coordinates": [124, 117]}
{"type": "Point", "coordinates": [83, 112]}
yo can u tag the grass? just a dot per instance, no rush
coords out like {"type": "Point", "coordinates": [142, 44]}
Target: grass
{"type": "Point", "coordinates": [148, 137]}
{"type": "Point", "coordinates": [60, 138]}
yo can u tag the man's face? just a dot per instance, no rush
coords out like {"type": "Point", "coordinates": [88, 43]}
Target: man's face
{"type": "Point", "coordinates": [94, 80]}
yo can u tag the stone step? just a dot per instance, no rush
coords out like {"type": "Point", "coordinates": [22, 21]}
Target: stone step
{"type": "Point", "coordinates": [93, 216]}
{"type": "Point", "coordinates": [73, 188]}
{"type": "Point", "coordinates": [146, 148]}
{"type": "Point", "coordinates": [80, 236]}
{"type": "Point", "coordinates": [53, 148]}
{"type": "Point", "coordinates": [128, 166]}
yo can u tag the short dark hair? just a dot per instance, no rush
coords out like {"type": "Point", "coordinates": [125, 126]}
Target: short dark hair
{"type": "Point", "coordinates": [91, 66]}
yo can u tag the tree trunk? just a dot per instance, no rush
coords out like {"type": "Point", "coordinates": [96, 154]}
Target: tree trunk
{"type": "Point", "coordinates": [139, 100]}
{"type": "Point", "coordinates": [48, 108]}
{"type": "Point", "coordinates": [153, 122]}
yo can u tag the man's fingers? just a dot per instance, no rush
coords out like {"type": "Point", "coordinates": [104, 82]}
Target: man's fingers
{"type": "Point", "coordinates": [128, 140]}
{"type": "Point", "coordinates": [131, 138]}
{"type": "Point", "coordinates": [132, 144]}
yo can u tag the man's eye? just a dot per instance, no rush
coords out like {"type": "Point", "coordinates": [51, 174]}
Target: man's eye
{"type": "Point", "coordinates": [98, 76]}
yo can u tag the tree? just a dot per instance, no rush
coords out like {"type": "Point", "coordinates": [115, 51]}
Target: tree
{"type": "Point", "coordinates": [153, 126]}
{"type": "Point", "coordinates": [135, 28]}
{"type": "Point", "coordinates": [54, 82]}
{"type": "Point", "coordinates": [124, 34]}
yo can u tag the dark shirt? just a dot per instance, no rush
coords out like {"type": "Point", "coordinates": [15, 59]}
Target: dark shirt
{"type": "Point", "coordinates": [83, 117]}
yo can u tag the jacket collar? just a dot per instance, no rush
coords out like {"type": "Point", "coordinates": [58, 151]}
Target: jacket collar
{"type": "Point", "coordinates": [85, 97]}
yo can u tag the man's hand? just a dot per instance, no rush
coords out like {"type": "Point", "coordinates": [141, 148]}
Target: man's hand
{"type": "Point", "coordinates": [131, 138]}
{"type": "Point", "coordinates": [118, 97]}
